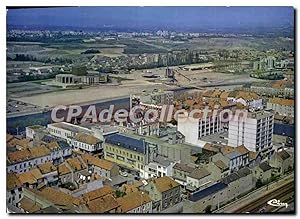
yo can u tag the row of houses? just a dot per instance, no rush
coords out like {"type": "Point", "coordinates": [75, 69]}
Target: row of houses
{"type": "Point", "coordinates": [236, 184]}
{"type": "Point", "coordinates": [156, 195]}
{"type": "Point", "coordinates": [282, 106]}
{"type": "Point", "coordinates": [282, 88]}
{"type": "Point", "coordinates": [220, 192]}
{"type": "Point", "coordinates": [23, 160]}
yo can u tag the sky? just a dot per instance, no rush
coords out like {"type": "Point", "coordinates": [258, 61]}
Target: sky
{"type": "Point", "coordinates": [158, 17]}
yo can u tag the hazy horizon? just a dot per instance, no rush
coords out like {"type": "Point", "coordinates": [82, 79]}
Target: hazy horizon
{"type": "Point", "coordinates": [153, 17]}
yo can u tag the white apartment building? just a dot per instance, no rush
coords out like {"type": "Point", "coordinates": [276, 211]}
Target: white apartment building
{"type": "Point", "coordinates": [31, 130]}
{"type": "Point", "coordinates": [159, 167]}
{"type": "Point", "coordinates": [254, 132]}
{"type": "Point", "coordinates": [66, 130]}
{"type": "Point", "coordinates": [194, 129]}
{"type": "Point", "coordinates": [282, 106]}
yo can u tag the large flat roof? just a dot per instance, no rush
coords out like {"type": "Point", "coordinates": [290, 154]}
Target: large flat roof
{"type": "Point", "coordinates": [127, 142]}
{"type": "Point", "coordinates": [208, 191]}
{"type": "Point", "coordinates": [70, 127]}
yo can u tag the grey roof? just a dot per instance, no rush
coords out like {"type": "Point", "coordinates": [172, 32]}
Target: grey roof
{"type": "Point", "coordinates": [127, 142]}
{"type": "Point", "coordinates": [221, 165]}
{"type": "Point", "coordinates": [183, 167]}
{"type": "Point", "coordinates": [199, 173]}
{"type": "Point", "coordinates": [230, 178]}
{"type": "Point", "coordinates": [265, 166]}
{"type": "Point", "coordinates": [71, 127]}
{"type": "Point", "coordinates": [63, 145]}
{"type": "Point", "coordinates": [164, 161]}
{"type": "Point", "coordinates": [283, 154]}
{"type": "Point", "coordinates": [233, 154]}
{"type": "Point", "coordinates": [109, 130]}
{"type": "Point", "coordinates": [237, 175]}
{"type": "Point", "coordinates": [85, 173]}
{"type": "Point", "coordinates": [244, 172]}
{"type": "Point", "coordinates": [48, 138]}
{"type": "Point", "coordinates": [92, 72]}
{"type": "Point", "coordinates": [207, 191]}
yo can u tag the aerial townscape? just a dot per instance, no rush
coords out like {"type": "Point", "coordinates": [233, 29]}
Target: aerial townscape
{"type": "Point", "coordinates": [150, 118]}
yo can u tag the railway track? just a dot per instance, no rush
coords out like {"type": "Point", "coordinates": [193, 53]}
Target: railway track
{"type": "Point", "coordinates": [283, 197]}
{"type": "Point", "coordinates": [258, 203]}
{"type": "Point", "coordinates": [288, 198]}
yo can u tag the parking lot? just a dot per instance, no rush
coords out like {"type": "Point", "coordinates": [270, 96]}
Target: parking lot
{"type": "Point", "coordinates": [15, 106]}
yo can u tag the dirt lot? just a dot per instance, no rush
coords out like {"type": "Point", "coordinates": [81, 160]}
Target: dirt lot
{"type": "Point", "coordinates": [197, 77]}
{"type": "Point", "coordinates": [90, 94]}
{"type": "Point", "coordinates": [136, 85]}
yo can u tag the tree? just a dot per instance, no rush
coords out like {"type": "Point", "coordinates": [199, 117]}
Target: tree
{"type": "Point", "coordinates": [259, 183]}
{"type": "Point", "coordinates": [208, 209]}
{"type": "Point", "coordinates": [119, 193]}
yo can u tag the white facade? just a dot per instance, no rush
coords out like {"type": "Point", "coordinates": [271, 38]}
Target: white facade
{"type": "Point", "coordinates": [271, 62]}
{"type": "Point", "coordinates": [30, 131]}
{"type": "Point", "coordinates": [85, 146]}
{"type": "Point", "coordinates": [252, 103]}
{"type": "Point", "coordinates": [57, 155]}
{"type": "Point", "coordinates": [194, 129]}
{"type": "Point", "coordinates": [199, 183]}
{"type": "Point", "coordinates": [281, 109]}
{"type": "Point", "coordinates": [143, 209]}
{"type": "Point", "coordinates": [14, 196]}
{"type": "Point", "coordinates": [254, 132]}
{"type": "Point", "coordinates": [26, 165]}
{"type": "Point", "coordinates": [155, 169]}
{"type": "Point", "coordinates": [32, 162]}
{"type": "Point", "coordinates": [66, 130]}
{"type": "Point", "coordinates": [237, 162]}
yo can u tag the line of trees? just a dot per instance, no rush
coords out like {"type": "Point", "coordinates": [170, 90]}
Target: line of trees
{"type": "Point", "coordinates": [22, 57]}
